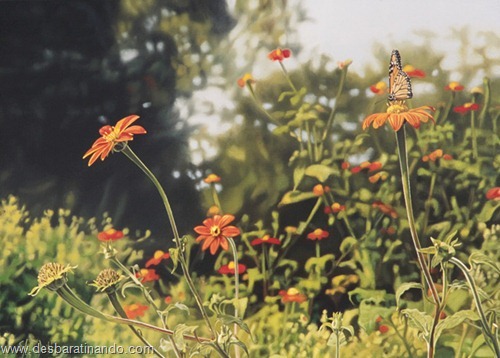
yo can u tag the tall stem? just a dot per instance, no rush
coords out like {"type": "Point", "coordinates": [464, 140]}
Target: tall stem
{"type": "Point", "coordinates": [236, 288]}
{"type": "Point", "coordinates": [135, 159]}
{"type": "Point", "coordinates": [405, 178]}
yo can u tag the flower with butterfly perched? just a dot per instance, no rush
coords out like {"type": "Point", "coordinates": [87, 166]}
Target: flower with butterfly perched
{"type": "Point", "coordinates": [215, 231]}
{"type": "Point", "coordinates": [398, 114]}
{"type": "Point", "coordinates": [111, 136]}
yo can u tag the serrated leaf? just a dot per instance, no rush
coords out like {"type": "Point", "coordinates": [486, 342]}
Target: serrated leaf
{"type": "Point", "coordinates": [454, 320]}
{"type": "Point", "coordinates": [320, 172]}
{"type": "Point", "coordinates": [405, 287]}
{"type": "Point", "coordinates": [418, 320]}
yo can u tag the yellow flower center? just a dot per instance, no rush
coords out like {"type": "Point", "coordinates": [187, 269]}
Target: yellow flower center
{"type": "Point", "coordinates": [112, 135]}
{"type": "Point", "coordinates": [397, 108]}
{"type": "Point", "coordinates": [453, 85]}
{"type": "Point", "coordinates": [215, 231]}
{"type": "Point", "coordinates": [231, 265]}
{"type": "Point", "coordinates": [158, 254]}
{"type": "Point", "coordinates": [292, 291]}
{"type": "Point", "coordinates": [468, 105]}
{"type": "Point", "coordinates": [318, 232]}
{"type": "Point", "coordinates": [265, 238]}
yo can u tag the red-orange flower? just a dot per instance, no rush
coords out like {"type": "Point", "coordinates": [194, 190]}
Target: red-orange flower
{"type": "Point", "coordinates": [385, 208]}
{"type": "Point", "coordinates": [467, 107]}
{"type": "Point", "coordinates": [336, 207]}
{"type": "Point", "coordinates": [374, 166]}
{"type": "Point", "coordinates": [493, 193]}
{"type": "Point", "coordinates": [379, 176]}
{"type": "Point", "coordinates": [454, 87]}
{"type": "Point", "coordinates": [147, 275]}
{"type": "Point", "coordinates": [246, 79]}
{"type": "Point", "coordinates": [379, 88]}
{"type": "Point", "coordinates": [110, 235]}
{"type": "Point", "coordinates": [345, 165]}
{"type": "Point", "coordinates": [292, 295]}
{"type": "Point", "coordinates": [230, 269]}
{"type": "Point", "coordinates": [279, 54]}
{"type": "Point", "coordinates": [397, 114]}
{"type": "Point", "coordinates": [135, 310]}
{"type": "Point", "coordinates": [157, 258]}
{"type": "Point", "coordinates": [318, 234]}
{"type": "Point", "coordinates": [215, 232]}
{"type": "Point", "coordinates": [383, 328]}
{"type": "Point", "coordinates": [212, 178]}
{"type": "Point", "coordinates": [122, 132]}
{"type": "Point", "coordinates": [266, 239]}
{"type": "Point", "coordinates": [413, 72]}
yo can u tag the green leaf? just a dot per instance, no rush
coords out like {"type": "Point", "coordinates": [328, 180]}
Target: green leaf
{"type": "Point", "coordinates": [284, 95]}
{"type": "Point", "coordinates": [389, 254]}
{"type": "Point", "coordinates": [422, 172]}
{"type": "Point", "coordinates": [320, 172]}
{"type": "Point", "coordinates": [228, 320]}
{"type": "Point", "coordinates": [298, 97]}
{"type": "Point", "coordinates": [481, 259]}
{"type": "Point", "coordinates": [179, 331]}
{"type": "Point", "coordinates": [405, 287]}
{"type": "Point", "coordinates": [488, 210]}
{"type": "Point", "coordinates": [347, 244]}
{"type": "Point", "coordinates": [318, 262]}
{"type": "Point", "coordinates": [296, 196]}
{"type": "Point", "coordinates": [174, 255]}
{"type": "Point", "coordinates": [454, 320]}
{"type": "Point", "coordinates": [418, 320]}
{"type": "Point", "coordinates": [298, 174]}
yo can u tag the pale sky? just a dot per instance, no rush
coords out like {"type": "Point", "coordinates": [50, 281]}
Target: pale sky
{"type": "Point", "coordinates": [350, 28]}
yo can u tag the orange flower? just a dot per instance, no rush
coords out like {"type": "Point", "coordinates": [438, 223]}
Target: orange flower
{"type": "Point", "coordinates": [374, 166]}
{"type": "Point", "coordinates": [318, 190]}
{"type": "Point", "coordinates": [376, 177]}
{"type": "Point", "coordinates": [215, 232]}
{"type": "Point", "coordinates": [454, 87]}
{"type": "Point", "coordinates": [157, 258]}
{"type": "Point", "coordinates": [345, 165]}
{"type": "Point", "coordinates": [212, 178]}
{"type": "Point", "coordinates": [246, 79]}
{"type": "Point", "coordinates": [379, 88]}
{"type": "Point", "coordinates": [413, 72]}
{"type": "Point", "coordinates": [292, 295]}
{"type": "Point", "coordinates": [135, 310]}
{"type": "Point", "coordinates": [230, 269]}
{"type": "Point", "coordinates": [467, 107]}
{"type": "Point", "coordinates": [493, 193]}
{"type": "Point", "coordinates": [147, 275]}
{"type": "Point", "coordinates": [336, 207]}
{"type": "Point", "coordinates": [385, 208]}
{"type": "Point", "coordinates": [318, 234]}
{"type": "Point", "coordinates": [122, 132]}
{"type": "Point", "coordinates": [266, 239]}
{"type": "Point", "coordinates": [110, 235]}
{"type": "Point", "coordinates": [279, 54]}
{"type": "Point", "coordinates": [397, 114]}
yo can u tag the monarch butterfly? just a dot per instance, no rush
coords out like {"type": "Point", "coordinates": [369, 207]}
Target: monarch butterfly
{"type": "Point", "coordinates": [399, 81]}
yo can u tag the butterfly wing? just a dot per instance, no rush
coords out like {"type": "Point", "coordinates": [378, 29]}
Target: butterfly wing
{"type": "Point", "coordinates": [399, 81]}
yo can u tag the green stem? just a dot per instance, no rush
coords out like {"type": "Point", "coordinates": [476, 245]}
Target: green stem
{"type": "Point", "coordinates": [215, 197]}
{"type": "Point", "coordinates": [493, 342]}
{"type": "Point", "coordinates": [287, 76]}
{"type": "Point", "coordinates": [428, 202]}
{"type": "Point", "coordinates": [405, 342]}
{"type": "Point", "coordinates": [135, 159]}
{"type": "Point", "coordinates": [405, 178]}
{"type": "Point", "coordinates": [236, 288]}
{"type": "Point", "coordinates": [148, 297]}
{"type": "Point", "coordinates": [121, 312]}
{"type": "Point", "coordinates": [264, 268]}
{"type": "Point", "coordinates": [318, 250]}
{"type": "Point", "coordinates": [329, 122]}
{"type": "Point", "coordinates": [473, 135]}
{"type": "Point", "coordinates": [70, 297]}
